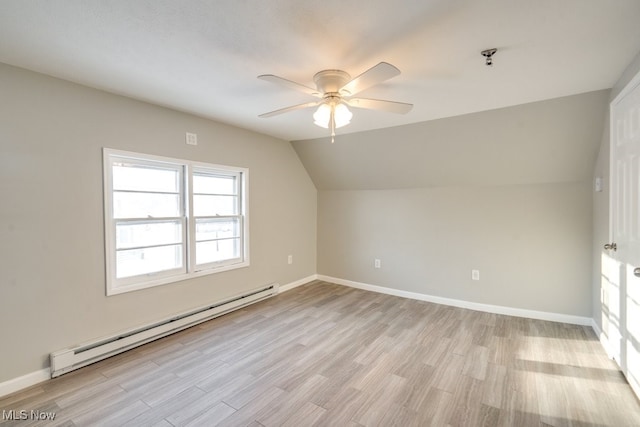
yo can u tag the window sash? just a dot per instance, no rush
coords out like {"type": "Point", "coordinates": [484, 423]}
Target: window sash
{"type": "Point", "coordinates": [237, 237]}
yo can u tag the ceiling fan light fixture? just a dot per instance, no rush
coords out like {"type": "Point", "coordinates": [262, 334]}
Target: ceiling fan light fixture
{"type": "Point", "coordinates": [336, 88]}
{"type": "Point", "coordinates": [325, 112]}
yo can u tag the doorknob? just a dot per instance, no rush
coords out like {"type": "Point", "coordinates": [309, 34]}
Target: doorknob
{"type": "Point", "coordinates": [611, 246]}
{"type": "Point", "coordinates": [636, 271]}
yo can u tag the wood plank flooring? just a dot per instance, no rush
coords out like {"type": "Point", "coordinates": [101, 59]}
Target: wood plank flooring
{"type": "Point", "coordinates": [327, 355]}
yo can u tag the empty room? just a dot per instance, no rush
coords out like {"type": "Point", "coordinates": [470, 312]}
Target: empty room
{"type": "Point", "coordinates": [304, 213]}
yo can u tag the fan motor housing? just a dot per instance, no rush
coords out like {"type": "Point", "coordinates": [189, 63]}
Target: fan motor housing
{"type": "Point", "coordinates": [330, 80]}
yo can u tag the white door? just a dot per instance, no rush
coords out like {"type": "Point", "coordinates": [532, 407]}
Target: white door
{"type": "Point", "coordinates": [624, 292]}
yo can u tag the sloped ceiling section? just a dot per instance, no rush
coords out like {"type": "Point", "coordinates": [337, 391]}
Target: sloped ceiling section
{"type": "Point", "coordinates": [541, 142]}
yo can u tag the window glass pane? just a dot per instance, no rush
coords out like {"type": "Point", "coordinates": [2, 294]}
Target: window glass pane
{"type": "Point", "coordinates": [134, 262]}
{"type": "Point", "coordinates": [217, 250]}
{"type": "Point", "coordinates": [214, 184]}
{"type": "Point", "coordinates": [127, 176]}
{"type": "Point", "coordinates": [215, 205]}
{"type": "Point", "coordinates": [145, 205]}
{"type": "Point", "coordinates": [210, 229]}
{"type": "Point", "coordinates": [137, 234]}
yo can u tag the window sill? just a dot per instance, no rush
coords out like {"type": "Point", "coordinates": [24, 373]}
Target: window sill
{"type": "Point", "coordinates": [116, 290]}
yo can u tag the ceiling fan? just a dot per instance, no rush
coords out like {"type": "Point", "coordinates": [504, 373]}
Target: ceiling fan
{"type": "Point", "coordinates": [335, 89]}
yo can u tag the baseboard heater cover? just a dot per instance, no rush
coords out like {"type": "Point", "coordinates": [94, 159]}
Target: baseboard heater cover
{"type": "Point", "coordinates": [67, 360]}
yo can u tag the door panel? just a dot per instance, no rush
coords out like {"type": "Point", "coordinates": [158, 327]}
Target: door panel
{"type": "Point", "coordinates": [624, 288]}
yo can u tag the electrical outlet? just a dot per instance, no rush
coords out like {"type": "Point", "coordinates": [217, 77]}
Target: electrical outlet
{"type": "Point", "coordinates": [376, 263]}
{"type": "Point", "coordinates": [290, 259]}
{"type": "Point", "coordinates": [475, 274]}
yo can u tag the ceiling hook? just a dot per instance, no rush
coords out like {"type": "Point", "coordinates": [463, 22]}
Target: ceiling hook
{"type": "Point", "coordinates": [489, 54]}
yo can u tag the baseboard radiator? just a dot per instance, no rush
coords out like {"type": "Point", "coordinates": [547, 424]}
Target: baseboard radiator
{"type": "Point", "coordinates": [67, 360]}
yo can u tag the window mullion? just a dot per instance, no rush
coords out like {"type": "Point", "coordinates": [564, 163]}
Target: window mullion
{"type": "Point", "coordinates": [190, 224]}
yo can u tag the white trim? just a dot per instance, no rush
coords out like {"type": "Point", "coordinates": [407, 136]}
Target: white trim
{"type": "Point", "coordinates": [602, 338]}
{"type": "Point", "coordinates": [596, 329]}
{"type": "Point", "coordinates": [628, 88]}
{"type": "Point", "coordinates": [295, 284]}
{"type": "Point", "coordinates": [20, 383]}
{"type": "Point", "coordinates": [497, 309]}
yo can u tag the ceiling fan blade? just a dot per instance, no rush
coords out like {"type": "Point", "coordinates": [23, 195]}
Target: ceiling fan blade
{"type": "Point", "coordinates": [374, 75]}
{"type": "Point", "coordinates": [290, 84]}
{"type": "Point", "coordinates": [379, 104]}
{"type": "Point", "coordinates": [292, 108]}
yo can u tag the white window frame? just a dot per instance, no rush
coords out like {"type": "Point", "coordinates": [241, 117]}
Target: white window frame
{"type": "Point", "coordinates": [189, 269]}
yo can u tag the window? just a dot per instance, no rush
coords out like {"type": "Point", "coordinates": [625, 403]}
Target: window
{"type": "Point", "coordinates": [168, 220]}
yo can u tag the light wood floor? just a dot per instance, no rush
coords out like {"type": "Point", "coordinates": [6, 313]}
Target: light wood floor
{"type": "Point", "coordinates": [328, 355]}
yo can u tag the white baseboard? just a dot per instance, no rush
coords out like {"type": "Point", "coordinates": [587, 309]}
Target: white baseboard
{"type": "Point", "coordinates": [300, 282]}
{"type": "Point", "coordinates": [24, 381]}
{"type": "Point", "coordinates": [497, 309]}
{"type": "Point", "coordinates": [604, 341]}
{"type": "Point", "coordinates": [596, 329]}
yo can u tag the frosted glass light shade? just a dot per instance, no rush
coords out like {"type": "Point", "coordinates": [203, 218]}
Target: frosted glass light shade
{"type": "Point", "coordinates": [322, 116]}
{"type": "Point", "coordinates": [342, 115]}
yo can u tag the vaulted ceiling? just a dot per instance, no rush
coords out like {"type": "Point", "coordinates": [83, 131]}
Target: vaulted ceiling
{"type": "Point", "coordinates": [203, 57]}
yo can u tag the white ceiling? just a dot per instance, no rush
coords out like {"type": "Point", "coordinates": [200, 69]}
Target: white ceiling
{"type": "Point", "coordinates": [203, 57]}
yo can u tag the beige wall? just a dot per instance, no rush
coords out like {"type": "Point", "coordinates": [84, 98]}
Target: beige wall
{"type": "Point", "coordinates": [601, 204]}
{"type": "Point", "coordinates": [530, 242]}
{"type": "Point", "coordinates": [507, 192]}
{"type": "Point", "coordinates": [52, 269]}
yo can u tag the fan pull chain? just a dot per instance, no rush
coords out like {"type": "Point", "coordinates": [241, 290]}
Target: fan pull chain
{"type": "Point", "coordinates": [332, 123]}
